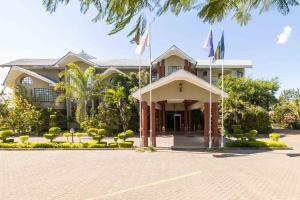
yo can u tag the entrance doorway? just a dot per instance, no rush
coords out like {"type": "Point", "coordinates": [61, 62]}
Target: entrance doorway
{"type": "Point", "coordinates": [177, 122]}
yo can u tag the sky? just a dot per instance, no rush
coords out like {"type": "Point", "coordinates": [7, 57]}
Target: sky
{"type": "Point", "coordinates": [270, 40]}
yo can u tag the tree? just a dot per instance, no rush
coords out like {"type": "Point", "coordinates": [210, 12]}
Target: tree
{"type": "Point", "coordinates": [248, 102]}
{"type": "Point", "coordinates": [120, 13]}
{"type": "Point", "coordinates": [81, 87]}
{"type": "Point", "coordinates": [287, 111]}
{"type": "Point", "coordinates": [23, 117]}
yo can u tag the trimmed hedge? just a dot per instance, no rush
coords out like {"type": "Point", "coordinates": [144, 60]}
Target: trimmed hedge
{"type": "Point", "coordinates": [274, 136]}
{"type": "Point", "coordinates": [126, 144]}
{"type": "Point", "coordinates": [255, 143]}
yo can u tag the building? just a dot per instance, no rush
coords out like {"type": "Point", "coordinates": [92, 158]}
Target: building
{"type": "Point", "coordinates": [180, 86]}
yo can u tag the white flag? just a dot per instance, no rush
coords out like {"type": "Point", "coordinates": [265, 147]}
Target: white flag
{"type": "Point", "coordinates": [145, 41]}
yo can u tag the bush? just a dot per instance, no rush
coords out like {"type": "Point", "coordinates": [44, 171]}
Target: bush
{"type": "Point", "coordinates": [4, 127]}
{"type": "Point", "coordinates": [97, 134]}
{"type": "Point", "coordinates": [53, 133]}
{"type": "Point", "coordinates": [10, 140]}
{"type": "Point", "coordinates": [296, 125]}
{"type": "Point", "coordinates": [251, 135]}
{"type": "Point", "coordinates": [115, 139]}
{"type": "Point", "coordinates": [44, 144]}
{"type": "Point", "coordinates": [274, 136]}
{"type": "Point", "coordinates": [113, 145]}
{"type": "Point", "coordinates": [125, 135]}
{"type": "Point", "coordinates": [24, 138]}
{"type": "Point", "coordinates": [255, 143]}
{"type": "Point", "coordinates": [97, 145]}
{"type": "Point", "coordinates": [55, 130]}
{"type": "Point", "coordinates": [126, 144]}
{"type": "Point", "coordinates": [256, 118]}
{"type": "Point", "coordinates": [5, 134]}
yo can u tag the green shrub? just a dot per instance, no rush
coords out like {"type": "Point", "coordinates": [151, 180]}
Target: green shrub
{"type": "Point", "coordinates": [5, 134]}
{"type": "Point", "coordinates": [255, 143]}
{"type": "Point", "coordinates": [274, 136]}
{"type": "Point", "coordinates": [97, 145]}
{"type": "Point", "coordinates": [50, 136]}
{"type": "Point", "coordinates": [4, 127]}
{"type": "Point", "coordinates": [52, 122]}
{"type": "Point", "coordinates": [251, 135]}
{"type": "Point", "coordinates": [44, 145]}
{"type": "Point", "coordinates": [53, 133]}
{"type": "Point", "coordinates": [10, 140]}
{"type": "Point", "coordinates": [126, 144]}
{"type": "Point", "coordinates": [97, 134]}
{"type": "Point", "coordinates": [125, 135]}
{"type": "Point", "coordinates": [113, 145]}
{"type": "Point", "coordinates": [55, 130]}
{"type": "Point", "coordinates": [24, 138]}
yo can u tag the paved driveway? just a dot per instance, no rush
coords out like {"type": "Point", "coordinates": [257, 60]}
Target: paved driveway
{"type": "Point", "coordinates": [163, 175]}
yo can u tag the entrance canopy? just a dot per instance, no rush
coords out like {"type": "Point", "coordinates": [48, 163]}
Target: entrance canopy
{"type": "Point", "coordinates": [178, 87]}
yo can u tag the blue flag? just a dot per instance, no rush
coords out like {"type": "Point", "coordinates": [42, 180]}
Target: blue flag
{"type": "Point", "coordinates": [222, 46]}
{"type": "Point", "coordinates": [208, 44]}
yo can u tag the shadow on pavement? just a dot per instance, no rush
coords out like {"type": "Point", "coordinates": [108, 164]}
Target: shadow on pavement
{"type": "Point", "coordinates": [228, 155]}
{"type": "Point", "coordinates": [293, 154]}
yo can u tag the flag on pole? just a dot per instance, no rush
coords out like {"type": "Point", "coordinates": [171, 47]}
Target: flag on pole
{"type": "Point", "coordinates": [220, 51]}
{"type": "Point", "coordinates": [145, 41]}
{"type": "Point", "coordinates": [208, 44]}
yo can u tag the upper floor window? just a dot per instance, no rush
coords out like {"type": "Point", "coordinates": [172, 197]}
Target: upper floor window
{"type": "Point", "coordinates": [26, 81]}
{"type": "Point", "coordinates": [172, 69]}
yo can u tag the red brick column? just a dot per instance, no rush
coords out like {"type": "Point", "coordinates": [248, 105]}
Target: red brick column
{"type": "Point", "coordinates": [206, 124]}
{"type": "Point", "coordinates": [162, 65]}
{"type": "Point", "coordinates": [153, 125]}
{"type": "Point", "coordinates": [215, 128]}
{"type": "Point", "coordinates": [159, 120]}
{"type": "Point", "coordinates": [186, 65]}
{"type": "Point", "coordinates": [144, 124]}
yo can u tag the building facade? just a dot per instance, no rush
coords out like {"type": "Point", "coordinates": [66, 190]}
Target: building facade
{"type": "Point", "coordinates": [180, 86]}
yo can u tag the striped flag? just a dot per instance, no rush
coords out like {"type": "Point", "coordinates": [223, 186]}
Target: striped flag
{"type": "Point", "coordinates": [220, 51]}
{"type": "Point", "coordinates": [208, 44]}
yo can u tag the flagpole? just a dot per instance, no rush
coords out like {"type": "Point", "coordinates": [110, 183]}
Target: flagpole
{"type": "Point", "coordinates": [210, 71]}
{"type": "Point", "coordinates": [140, 102]}
{"type": "Point", "coordinates": [222, 122]}
{"type": "Point", "coordinates": [150, 83]}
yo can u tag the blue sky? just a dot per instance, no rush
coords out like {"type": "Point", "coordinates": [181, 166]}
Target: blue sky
{"type": "Point", "coordinates": [28, 31]}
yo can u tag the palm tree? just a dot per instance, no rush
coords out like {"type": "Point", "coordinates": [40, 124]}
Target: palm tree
{"type": "Point", "coordinates": [118, 99]}
{"type": "Point", "coordinates": [79, 86]}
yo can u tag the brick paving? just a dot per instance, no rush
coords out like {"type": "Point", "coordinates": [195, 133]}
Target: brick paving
{"type": "Point", "coordinates": [162, 175]}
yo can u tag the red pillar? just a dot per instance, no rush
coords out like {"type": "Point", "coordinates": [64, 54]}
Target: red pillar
{"type": "Point", "coordinates": [159, 121]}
{"type": "Point", "coordinates": [153, 125]}
{"type": "Point", "coordinates": [144, 124]}
{"type": "Point", "coordinates": [162, 65]}
{"type": "Point", "coordinates": [206, 124]}
{"type": "Point", "coordinates": [164, 115]}
{"type": "Point", "coordinates": [215, 129]}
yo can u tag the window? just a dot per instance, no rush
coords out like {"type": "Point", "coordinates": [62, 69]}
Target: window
{"type": "Point", "coordinates": [205, 73]}
{"type": "Point", "coordinates": [172, 69]}
{"type": "Point", "coordinates": [239, 74]}
{"type": "Point", "coordinates": [26, 81]}
{"type": "Point", "coordinates": [44, 94]}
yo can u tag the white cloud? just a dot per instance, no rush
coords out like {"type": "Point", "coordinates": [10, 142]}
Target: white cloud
{"type": "Point", "coordinates": [283, 37]}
